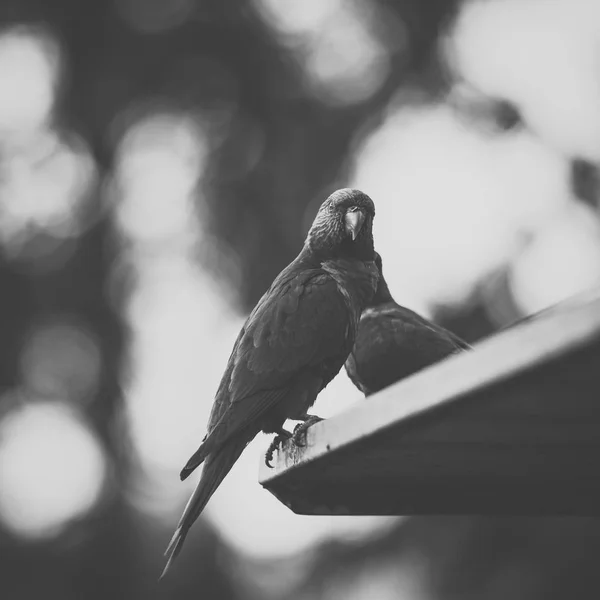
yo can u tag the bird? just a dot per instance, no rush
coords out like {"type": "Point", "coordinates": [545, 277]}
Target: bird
{"type": "Point", "coordinates": [292, 345]}
{"type": "Point", "coordinates": [394, 342]}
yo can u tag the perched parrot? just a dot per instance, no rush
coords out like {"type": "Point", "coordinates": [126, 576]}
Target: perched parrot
{"type": "Point", "coordinates": [394, 342]}
{"type": "Point", "coordinates": [294, 342]}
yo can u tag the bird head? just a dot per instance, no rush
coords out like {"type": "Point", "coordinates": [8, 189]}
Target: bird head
{"type": "Point", "coordinates": [343, 226]}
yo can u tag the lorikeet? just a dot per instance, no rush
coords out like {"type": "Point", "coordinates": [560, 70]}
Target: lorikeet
{"type": "Point", "coordinates": [294, 342]}
{"type": "Point", "coordinates": [394, 342]}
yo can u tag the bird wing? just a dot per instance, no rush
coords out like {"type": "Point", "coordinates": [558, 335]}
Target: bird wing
{"type": "Point", "coordinates": [302, 324]}
{"type": "Point", "coordinates": [460, 343]}
{"type": "Point", "coordinates": [394, 342]}
{"type": "Point", "coordinates": [443, 336]}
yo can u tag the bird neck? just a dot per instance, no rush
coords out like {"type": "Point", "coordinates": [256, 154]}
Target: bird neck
{"type": "Point", "coordinates": [356, 280]}
{"type": "Point", "coordinates": [383, 294]}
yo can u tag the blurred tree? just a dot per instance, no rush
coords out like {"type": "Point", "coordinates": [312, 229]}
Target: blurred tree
{"type": "Point", "coordinates": [222, 55]}
{"type": "Point", "coordinates": [16, 308]}
{"type": "Point", "coordinates": [585, 181]}
{"type": "Point", "coordinates": [280, 148]}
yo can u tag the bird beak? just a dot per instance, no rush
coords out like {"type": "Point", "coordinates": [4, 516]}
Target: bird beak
{"type": "Point", "coordinates": [354, 220]}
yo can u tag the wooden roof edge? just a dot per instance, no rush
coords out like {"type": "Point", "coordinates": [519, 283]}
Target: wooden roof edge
{"type": "Point", "coordinates": [556, 331]}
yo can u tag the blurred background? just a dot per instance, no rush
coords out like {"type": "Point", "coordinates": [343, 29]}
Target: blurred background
{"type": "Point", "coordinates": [161, 161]}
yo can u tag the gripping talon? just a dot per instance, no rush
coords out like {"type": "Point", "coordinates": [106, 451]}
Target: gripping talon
{"type": "Point", "coordinates": [277, 440]}
{"type": "Point", "coordinates": [299, 435]}
{"type": "Point", "coordinates": [271, 450]}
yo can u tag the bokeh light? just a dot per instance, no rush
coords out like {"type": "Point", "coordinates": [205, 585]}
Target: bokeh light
{"type": "Point", "coordinates": [160, 158]}
{"type": "Point", "coordinates": [347, 63]}
{"type": "Point", "coordinates": [562, 260]}
{"type": "Point", "coordinates": [61, 359]}
{"type": "Point", "coordinates": [44, 192]}
{"type": "Point", "coordinates": [452, 201]}
{"type": "Point", "coordinates": [293, 18]}
{"type": "Point", "coordinates": [337, 43]}
{"type": "Point", "coordinates": [45, 174]}
{"type": "Point", "coordinates": [543, 57]}
{"type": "Point", "coordinates": [180, 341]}
{"type": "Point", "coordinates": [29, 70]}
{"type": "Point", "coordinates": [52, 469]}
{"type": "Point", "coordinates": [160, 161]}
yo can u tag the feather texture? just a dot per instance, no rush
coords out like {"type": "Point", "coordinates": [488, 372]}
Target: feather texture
{"type": "Point", "coordinates": [294, 342]}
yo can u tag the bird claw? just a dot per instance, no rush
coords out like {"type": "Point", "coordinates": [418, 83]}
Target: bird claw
{"type": "Point", "coordinates": [271, 450]}
{"type": "Point", "coordinates": [277, 440]}
{"type": "Point", "coordinates": [299, 435]}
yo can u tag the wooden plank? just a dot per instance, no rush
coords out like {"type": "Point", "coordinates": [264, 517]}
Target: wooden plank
{"type": "Point", "coordinates": [510, 428]}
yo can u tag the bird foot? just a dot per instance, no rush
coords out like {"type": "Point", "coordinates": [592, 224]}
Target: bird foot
{"type": "Point", "coordinates": [277, 440]}
{"type": "Point", "coordinates": [299, 435]}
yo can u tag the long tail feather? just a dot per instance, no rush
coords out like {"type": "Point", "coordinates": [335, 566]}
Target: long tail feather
{"type": "Point", "coordinates": [215, 469]}
{"type": "Point", "coordinates": [194, 462]}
